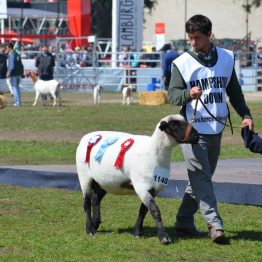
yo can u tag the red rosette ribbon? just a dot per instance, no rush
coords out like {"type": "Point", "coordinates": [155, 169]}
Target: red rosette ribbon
{"type": "Point", "coordinates": [124, 147]}
{"type": "Point", "coordinates": [92, 141]}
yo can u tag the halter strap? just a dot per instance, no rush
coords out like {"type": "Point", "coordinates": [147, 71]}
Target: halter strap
{"type": "Point", "coordinates": [187, 132]}
{"type": "Point", "coordinates": [230, 123]}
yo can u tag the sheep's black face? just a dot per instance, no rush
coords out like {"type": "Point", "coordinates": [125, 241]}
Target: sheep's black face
{"type": "Point", "coordinates": [178, 130]}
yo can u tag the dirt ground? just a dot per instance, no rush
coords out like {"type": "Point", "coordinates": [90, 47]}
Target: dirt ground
{"type": "Point", "coordinates": [70, 98]}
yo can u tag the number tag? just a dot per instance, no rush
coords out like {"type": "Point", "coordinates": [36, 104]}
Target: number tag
{"type": "Point", "coordinates": [161, 175]}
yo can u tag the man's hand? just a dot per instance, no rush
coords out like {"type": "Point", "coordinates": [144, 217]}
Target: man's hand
{"type": "Point", "coordinates": [195, 92]}
{"type": "Point", "coordinates": [249, 123]}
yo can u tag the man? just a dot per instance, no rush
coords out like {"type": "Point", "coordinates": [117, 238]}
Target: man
{"type": "Point", "coordinates": [15, 72]}
{"type": "Point", "coordinates": [3, 62]}
{"type": "Point", "coordinates": [45, 64]}
{"type": "Point", "coordinates": [207, 72]}
{"type": "Point", "coordinates": [169, 56]}
{"type": "Point", "coordinates": [3, 68]}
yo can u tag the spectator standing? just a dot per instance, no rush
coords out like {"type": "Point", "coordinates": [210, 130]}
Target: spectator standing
{"type": "Point", "coordinates": [22, 53]}
{"type": "Point", "coordinates": [15, 72]}
{"type": "Point", "coordinates": [123, 57]}
{"type": "Point", "coordinates": [153, 56]}
{"type": "Point", "coordinates": [190, 71]}
{"type": "Point", "coordinates": [83, 56]}
{"type": "Point", "coordinates": [3, 62]}
{"type": "Point", "coordinates": [170, 54]}
{"type": "Point", "coordinates": [89, 56]}
{"type": "Point", "coordinates": [61, 58]}
{"type": "Point", "coordinates": [45, 64]}
{"type": "Point", "coordinates": [259, 57]}
{"type": "Point", "coordinates": [77, 55]}
{"type": "Point", "coordinates": [135, 59]}
{"type": "Point", "coordinates": [143, 58]}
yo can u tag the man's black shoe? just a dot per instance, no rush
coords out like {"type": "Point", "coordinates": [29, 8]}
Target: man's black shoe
{"type": "Point", "coordinates": [188, 232]}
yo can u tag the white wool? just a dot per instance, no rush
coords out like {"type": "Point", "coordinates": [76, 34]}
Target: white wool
{"type": "Point", "coordinates": [140, 161]}
{"type": "Point", "coordinates": [49, 87]}
{"type": "Point", "coordinates": [127, 95]}
{"type": "Point", "coordinates": [97, 94]}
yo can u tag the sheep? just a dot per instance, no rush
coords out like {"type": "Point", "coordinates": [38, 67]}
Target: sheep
{"type": "Point", "coordinates": [97, 94]}
{"type": "Point", "coordinates": [145, 168]}
{"type": "Point", "coordinates": [48, 87]}
{"type": "Point", "coordinates": [127, 95]}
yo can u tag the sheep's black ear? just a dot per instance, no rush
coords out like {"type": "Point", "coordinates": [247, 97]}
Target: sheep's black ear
{"type": "Point", "coordinates": [163, 125]}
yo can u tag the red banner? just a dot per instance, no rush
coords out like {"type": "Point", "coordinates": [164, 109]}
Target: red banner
{"type": "Point", "coordinates": [160, 28]}
{"type": "Point", "coordinates": [79, 20]}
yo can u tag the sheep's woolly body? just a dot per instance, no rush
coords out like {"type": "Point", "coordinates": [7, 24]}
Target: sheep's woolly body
{"type": "Point", "coordinates": [49, 87]}
{"type": "Point", "coordinates": [46, 87]}
{"type": "Point", "coordinates": [146, 155]}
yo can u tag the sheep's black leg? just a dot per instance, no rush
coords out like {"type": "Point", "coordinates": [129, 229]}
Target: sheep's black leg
{"type": "Point", "coordinates": [97, 196]}
{"type": "Point", "coordinates": [87, 207]}
{"type": "Point", "coordinates": [161, 232]}
{"type": "Point", "coordinates": [147, 197]}
{"type": "Point", "coordinates": [138, 230]}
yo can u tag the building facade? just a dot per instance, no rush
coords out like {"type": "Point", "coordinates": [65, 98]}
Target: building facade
{"type": "Point", "coordinates": [228, 18]}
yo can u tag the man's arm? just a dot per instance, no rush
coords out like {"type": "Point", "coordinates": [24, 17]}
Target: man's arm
{"type": "Point", "coordinates": [236, 97]}
{"type": "Point", "coordinates": [11, 64]}
{"type": "Point", "coordinates": [37, 61]}
{"type": "Point", "coordinates": [53, 61]}
{"type": "Point", "coordinates": [178, 93]}
{"type": "Point", "coordinates": [237, 100]}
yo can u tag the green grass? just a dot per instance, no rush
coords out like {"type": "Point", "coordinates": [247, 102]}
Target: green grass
{"type": "Point", "coordinates": [85, 118]}
{"type": "Point", "coordinates": [36, 153]}
{"type": "Point", "coordinates": [49, 225]}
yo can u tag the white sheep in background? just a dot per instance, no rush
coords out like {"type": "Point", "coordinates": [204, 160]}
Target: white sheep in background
{"type": "Point", "coordinates": [44, 88]}
{"type": "Point", "coordinates": [127, 95]}
{"type": "Point", "coordinates": [145, 170]}
{"type": "Point", "coordinates": [97, 94]}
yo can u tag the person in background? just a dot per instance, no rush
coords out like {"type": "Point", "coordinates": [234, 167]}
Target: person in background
{"type": "Point", "coordinates": [123, 57]}
{"type": "Point", "coordinates": [45, 64]}
{"type": "Point", "coordinates": [77, 55]}
{"type": "Point", "coordinates": [135, 58]}
{"type": "Point", "coordinates": [90, 60]}
{"type": "Point", "coordinates": [170, 54]}
{"type": "Point", "coordinates": [153, 56]}
{"type": "Point", "coordinates": [3, 62]}
{"type": "Point", "coordinates": [143, 58]}
{"type": "Point", "coordinates": [259, 57]}
{"type": "Point", "coordinates": [23, 53]}
{"type": "Point", "coordinates": [205, 72]}
{"type": "Point", "coordinates": [3, 69]}
{"type": "Point", "coordinates": [15, 72]}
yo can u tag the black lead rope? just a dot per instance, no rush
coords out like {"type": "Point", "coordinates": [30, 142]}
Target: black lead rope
{"type": "Point", "coordinates": [231, 126]}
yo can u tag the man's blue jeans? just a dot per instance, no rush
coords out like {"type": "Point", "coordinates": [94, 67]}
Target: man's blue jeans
{"type": "Point", "coordinates": [15, 81]}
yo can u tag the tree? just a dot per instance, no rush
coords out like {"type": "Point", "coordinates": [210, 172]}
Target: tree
{"type": "Point", "coordinates": [247, 7]}
{"type": "Point", "coordinates": [102, 16]}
